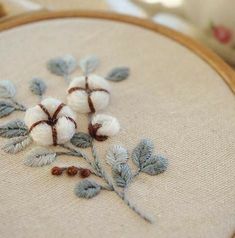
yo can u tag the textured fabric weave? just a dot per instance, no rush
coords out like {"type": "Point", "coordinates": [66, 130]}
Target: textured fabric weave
{"type": "Point", "coordinates": [172, 97]}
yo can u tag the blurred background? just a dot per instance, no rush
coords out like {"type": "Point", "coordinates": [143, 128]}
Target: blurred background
{"type": "Point", "coordinates": [210, 21]}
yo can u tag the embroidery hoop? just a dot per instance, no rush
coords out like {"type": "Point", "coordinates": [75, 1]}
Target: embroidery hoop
{"type": "Point", "coordinates": [222, 68]}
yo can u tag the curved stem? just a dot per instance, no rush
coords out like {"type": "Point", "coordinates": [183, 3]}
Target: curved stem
{"type": "Point", "coordinates": [133, 207]}
{"type": "Point", "coordinates": [67, 78]}
{"type": "Point", "coordinates": [18, 106]}
{"type": "Point", "coordinates": [112, 188]}
{"type": "Point", "coordinates": [66, 153]}
{"type": "Point", "coordinates": [84, 156]}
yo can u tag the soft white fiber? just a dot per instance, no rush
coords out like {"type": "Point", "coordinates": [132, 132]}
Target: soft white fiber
{"type": "Point", "coordinates": [109, 125]}
{"type": "Point", "coordinates": [78, 100]}
{"type": "Point", "coordinates": [42, 133]}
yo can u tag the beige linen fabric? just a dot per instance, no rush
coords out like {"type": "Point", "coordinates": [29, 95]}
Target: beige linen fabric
{"type": "Point", "coordinates": [172, 97]}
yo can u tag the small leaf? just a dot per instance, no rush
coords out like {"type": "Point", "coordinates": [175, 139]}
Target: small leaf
{"type": "Point", "coordinates": [81, 140]}
{"type": "Point", "coordinates": [13, 129]}
{"type": "Point", "coordinates": [87, 189]}
{"type": "Point", "coordinates": [17, 144]}
{"type": "Point", "coordinates": [142, 152]}
{"type": "Point", "coordinates": [89, 64]}
{"type": "Point", "coordinates": [155, 165]}
{"type": "Point", "coordinates": [117, 155]}
{"type": "Point", "coordinates": [118, 74]}
{"type": "Point", "coordinates": [7, 89]}
{"type": "Point", "coordinates": [62, 66]}
{"type": "Point", "coordinates": [37, 86]}
{"type": "Point", "coordinates": [6, 108]}
{"type": "Point", "coordinates": [39, 157]}
{"type": "Point", "coordinates": [122, 175]}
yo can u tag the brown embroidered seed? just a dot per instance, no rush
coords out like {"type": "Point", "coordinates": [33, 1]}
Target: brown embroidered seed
{"type": "Point", "coordinates": [84, 173]}
{"type": "Point", "coordinates": [72, 170]}
{"type": "Point", "coordinates": [57, 171]}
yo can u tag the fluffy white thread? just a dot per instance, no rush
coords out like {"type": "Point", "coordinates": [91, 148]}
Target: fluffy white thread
{"type": "Point", "coordinates": [42, 133]}
{"type": "Point", "coordinates": [78, 99]}
{"type": "Point", "coordinates": [109, 125]}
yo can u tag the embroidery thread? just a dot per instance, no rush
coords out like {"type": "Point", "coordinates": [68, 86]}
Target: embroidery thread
{"type": "Point", "coordinates": [53, 123]}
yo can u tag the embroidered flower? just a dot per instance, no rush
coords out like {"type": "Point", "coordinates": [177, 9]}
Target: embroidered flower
{"type": "Point", "coordinates": [50, 122]}
{"type": "Point", "coordinates": [103, 126]}
{"type": "Point", "coordinates": [88, 94]}
{"type": "Point", "coordinates": [222, 34]}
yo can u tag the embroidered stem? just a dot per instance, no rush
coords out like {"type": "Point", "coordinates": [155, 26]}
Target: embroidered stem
{"type": "Point", "coordinates": [132, 206]}
{"type": "Point", "coordinates": [112, 188]}
{"type": "Point", "coordinates": [66, 153]}
{"type": "Point", "coordinates": [67, 78]}
{"type": "Point", "coordinates": [79, 153]}
{"type": "Point", "coordinates": [18, 106]}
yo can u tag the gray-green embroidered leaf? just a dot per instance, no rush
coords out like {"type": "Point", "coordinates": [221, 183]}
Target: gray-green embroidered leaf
{"type": "Point", "coordinates": [62, 66]}
{"type": "Point", "coordinates": [89, 64]}
{"type": "Point", "coordinates": [7, 89]}
{"type": "Point", "coordinates": [87, 189]}
{"type": "Point", "coordinates": [13, 129]}
{"type": "Point", "coordinates": [117, 155]}
{"type": "Point", "coordinates": [122, 174]}
{"type": "Point", "coordinates": [39, 157]}
{"type": "Point", "coordinates": [81, 140]}
{"type": "Point", "coordinates": [17, 144]}
{"type": "Point", "coordinates": [154, 165]}
{"type": "Point", "coordinates": [37, 86]}
{"type": "Point", "coordinates": [6, 108]}
{"type": "Point", "coordinates": [118, 74]}
{"type": "Point", "coordinates": [142, 152]}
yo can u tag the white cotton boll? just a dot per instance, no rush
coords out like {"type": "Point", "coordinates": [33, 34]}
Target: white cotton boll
{"type": "Point", "coordinates": [78, 82]}
{"type": "Point", "coordinates": [110, 125]}
{"type": "Point", "coordinates": [42, 134]}
{"type": "Point", "coordinates": [34, 114]}
{"type": "Point", "coordinates": [107, 126]}
{"type": "Point", "coordinates": [78, 98]}
{"type": "Point", "coordinates": [67, 112]}
{"type": "Point", "coordinates": [65, 130]}
{"type": "Point", "coordinates": [51, 104]}
{"type": "Point", "coordinates": [58, 128]}
{"type": "Point", "coordinates": [100, 100]}
{"type": "Point", "coordinates": [78, 101]}
{"type": "Point", "coordinates": [96, 81]}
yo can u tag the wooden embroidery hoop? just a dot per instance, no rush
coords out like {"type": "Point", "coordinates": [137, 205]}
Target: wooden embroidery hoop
{"type": "Point", "coordinates": [224, 70]}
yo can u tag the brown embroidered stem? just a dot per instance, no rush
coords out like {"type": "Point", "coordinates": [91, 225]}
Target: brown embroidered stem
{"type": "Point", "coordinates": [45, 110]}
{"type": "Point", "coordinates": [90, 103]}
{"type": "Point", "coordinates": [100, 90]}
{"type": "Point", "coordinates": [71, 119]}
{"type": "Point", "coordinates": [37, 123]}
{"type": "Point", "coordinates": [71, 90]}
{"type": "Point", "coordinates": [54, 135]}
{"type": "Point", "coordinates": [86, 84]}
{"type": "Point", "coordinates": [57, 111]}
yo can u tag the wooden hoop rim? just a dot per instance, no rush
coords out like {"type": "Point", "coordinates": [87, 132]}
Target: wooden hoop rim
{"type": "Point", "coordinates": [223, 69]}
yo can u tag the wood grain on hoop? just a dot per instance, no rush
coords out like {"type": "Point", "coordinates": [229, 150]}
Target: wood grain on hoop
{"type": "Point", "coordinates": [227, 73]}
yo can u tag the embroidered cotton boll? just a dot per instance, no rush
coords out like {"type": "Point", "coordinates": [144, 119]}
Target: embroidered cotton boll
{"type": "Point", "coordinates": [103, 126]}
{"type": "Point", "coordinates": [51, 122]}
{"type": "Point", "coordinates": [88, 94]}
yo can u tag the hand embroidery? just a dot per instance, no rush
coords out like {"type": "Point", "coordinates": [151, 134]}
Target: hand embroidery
{"type": "Point", "coordinates": [53, 123]}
